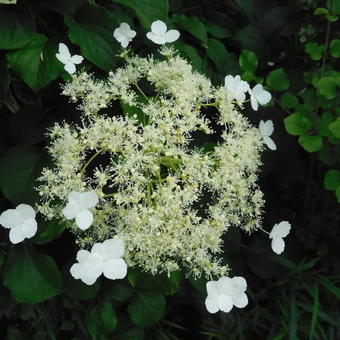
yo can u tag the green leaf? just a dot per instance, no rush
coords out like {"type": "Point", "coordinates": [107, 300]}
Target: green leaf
{"type": "Point", "coordinates": [327, 87]}
{"type": "Point", "coordinates": [278, 80]}
{"type": "Point", "coordinates": [133, 334]}
{"type": "Point", "coordinates": [314, 50]}
{"type": "Point", "coordinates": [332, 179]}
{"type": "Point", "coordinates": [51, 231]}
{"type": "Point", "coordinates": [39, 54]}
{"type": "Point", "coordinates": [311, 143]}
{"type": "Point", "coordinates": [118, 291]}
{"type": "Point", "coordinates": [218, 54]}
{"type": "Point", "coordinates": [335, 128]}
{"type": "Point", "coordinates": [289, 100]}
{"type": "Point", "coordinates": [217, 31]}
{"type": "Point", "coordinates": [16, 26]}
{"type": "Point", "coordinates": [4, 80]}
{"type": "Point", "coordinates": [330, 286]}
{"type": "Point", "coordinates": [337, 193]}
{"type": "Point", "coordinates": [95, 40]}
{"type": "Point", "coordinates": [320, 11]}
{"type": "Point", "coordinates": [296, 124]}
{"type": "Point", "coordinates": [31, 277]}
{"type": "Point", "coordinates": [191, 54]}
{"type": "Point", "coordinates": [315, 312]}
{"type": "Point", "coordinates": [193, 25]}
{"type": "Point", "coordinates": [101, 319]}
{"type": "Point", "coordinates": [248, 61]}
{"type": "Point", "coordinates": [334, 48]}
{"type": "Point", "coordinates": [147, 308]}
{"type": "Point", "coordinates": [19, 168]}
{"type": "Point", "coordinates": [148, 10]}
{"type": "Point", "coordinates": [293, 319]}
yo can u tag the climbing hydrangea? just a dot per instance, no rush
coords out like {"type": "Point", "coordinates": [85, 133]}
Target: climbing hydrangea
{"type": "Point", "coordinates": [168, 198]}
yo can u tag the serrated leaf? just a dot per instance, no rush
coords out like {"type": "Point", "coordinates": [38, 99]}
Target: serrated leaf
{"type": "Point", "coordinates": [248, 61]}
{"type": "Point", "coordinates": [311, 143]}
{"type": "Point", "coordinates": [327, 87]}
{"type": "Point", "coordinates": [193, 25]}
{"type": "Point", "coordinates": [39, 54]}
{"type": "Point", "coordinates": [31, 277]}
{"type": "Point", "coordinates": [289, 100]}
{"type": "Point", "coordinates": [148, 10]}
{"type": "Point", "coordinates": [17, 26]}
{"type": "Point", "coordinates": [146, 308]}
{"type": "Point", "coordinates": [218, 54]}
{"type": "Point", "coordinates": [314, 50]}
{"type": "Point", "coordinates": [334, 48]}
{"type": "Point", "coordinates": [296, 124]}
{"type": "Point", "coordinates": [217, 31]}
{"type": "Point", "coordinates": [278, 80]}
{"type": "Point", "coordinates": [335, 128]}
{"type": "Point", "coordinates": [95, 40]}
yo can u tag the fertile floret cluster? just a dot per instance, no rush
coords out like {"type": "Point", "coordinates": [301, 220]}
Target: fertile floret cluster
{"type": "Point", "coordinates": [166, 195]}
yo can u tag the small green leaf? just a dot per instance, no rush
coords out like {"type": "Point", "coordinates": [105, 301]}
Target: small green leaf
{"type": "Point", "coordinates": [193, 25]}
{"type": "Point", "coordinates": [296, 124]}
{"type": "Point", "coordinates": [39, 54]}
{"type": "Point", "coordinates": [337, 193]}
{"type": "Point", "coordinates": [118, 291]}
{"type": "Point", "coordinates": [31, 277]}
{"type": "Point", "coordinates": [217, 31]}
{"type": "Point", "coordinates": [148, 10]}
{"type": "Point", "coordinates": [218, 54]}
{"type": "Point", "coordinates": [278, 80]}
{"type": "Point", "coordinates": [101, 319]}
{"type": "Point", "coordinates": [311, 143]}
{"type": "Point", "coordinates": [332, 179]}
{"type": "Point", "coordinates": [248, 61]}
{"type": "Point", "coordinates": [16, 26]}
{"type": "Point", "coordinates": [321, 11]}
{"type": "Point", "coordinates": [289, 100]}
{"type": "Point", "coordinates": [191, 54]}
{"type": "Point", "coordinates": [327, 87]}
{"type": "Point", "coordinates": [314, 50]}
{"type": "Point", "coordinates": [4, 80]}
{"type": "Point", "coordinates": [96, 41]}
{"type": "Point", "coordinates": [51, 231]}
{"type": "Point", "coordinates": [147, 308]}
{"type": "Point", "coordinates": [335, 128]}
{"type": "Point", "coordinates": [334, 48]}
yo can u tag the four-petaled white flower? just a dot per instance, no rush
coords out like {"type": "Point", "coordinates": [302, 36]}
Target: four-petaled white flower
{"type": "Point", "coordinates": [277, 234]}
{"type": "Point", "coordinates": [69, 61]}
{"type": "Point", "coordinates": [236, 88]}
{"type": "Point", "coordinates": [21, 221]}
{"type": "Point", "coordinates": [259, 96]}
{"type": "Point", "coordinates": [78, 207]}
{"type": "Point", "coordinates": [160, 35]}
{"type": "Point", "coordinates": [225, 293]}
{"type": "Point", "coordinates": [124, 34]}
{"type": "Point", "coordinates": [266, 130]}
{"type": "Point", "coordinates": [104, 258]}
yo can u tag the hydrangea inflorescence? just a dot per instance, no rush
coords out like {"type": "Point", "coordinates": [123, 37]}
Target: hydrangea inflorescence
{"type": "Point", "coordinates": [149, 177]}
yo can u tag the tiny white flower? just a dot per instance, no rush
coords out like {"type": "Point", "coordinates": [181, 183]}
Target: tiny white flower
{"type": "Point", "coordinates": [104, 258]}
{"type": "Point", "coordinates": [236, 88]}
{"type": "Point", "coordinates": [277, 234]}
{"type": "Point", "coordinates": [124, 34]}
{"type": "Point", "coordinates": [225, 293]}
{"type": "Point", "coordinates": [259, 96]}
{"type": "Point", "coordinates": [266, 130]}
{"type": "Point", "coordinates": [69, 61]}
{"type": "Point", "coordinates": [78, 207]}
{"type": "Point", "coordinates": [21, 222]}
{"type": "Point", "coordinates": [160, 35]}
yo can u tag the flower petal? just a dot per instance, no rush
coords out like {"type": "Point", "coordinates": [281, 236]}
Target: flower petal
{"type": "Point", "coordinates": [115, 269]}
{"type": "Point", "coordinates": [97, 248]}
{"type": "Point", "coordinates": [156, 38]}
{"type": "Point", "coordinates": [269, 142]}
{"type": "Point", "coordinates": [240, 301]}
{"type": "Point", "coordinates": [88, 200]}
{"type": "Point", "coordinates": [266, 128]}
{"type": "Point", "coordinates": [26, 211]}
{"type": "Point", "coordinates": [171, 36]}
{"type": "Point", "coordinates": [70, 68]}
{"type": "Point", "coordinates": [74, 197]}
{"type": "Point", "coordinates": [254, 103]}
{"type": "Point", "coordinates": [264, 97]}
{"type": "Point", "coordinates": [76, 59]}
{"type": "Point", "coordinates": [280, 230]}
{"type": "Point", "coordinates": [240, 282]}
{"type": "Point", "coordinates": [212, 288]}
{"type": "Point", "coordinates": [225, 303]}
{"type": "Point", "coordinates": [16, 235]}
{"type": "Point", "coordinates": [278, 245]}
{"type": "Point", "coordinates": [76, 270]}
{"type": "Point", "coordinates": [83, 255]}
{"type": "Point", "coordinates": [113, 248]}
{"type": "Point", "coordinates": [212, 304]}
{"type": "Point", "coordinates": [71, 210]}
{"type": "Point", "coordinates": [64, 52]}
{"type": "Point", "coordinates": [84, 219]}
{"type": "Point", "coordinates": [158, 27]}
{"type": "Point", "coordinates": [10, 218]}
{"type": "Point", "coordinates": [29, 228]}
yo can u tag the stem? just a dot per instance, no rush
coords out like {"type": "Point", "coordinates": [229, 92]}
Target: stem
{"type": "Point", "coordinates": [209, 104]}
{"type": "Point", "coordinates": [109, 195]}
{"type": "Point", "coordinates": [326, 48]}
{"type": "Point", "coordinates": [265, 231]}
{"type": "Point", "coordinates": [142, 93]}
{"type": "Point", "coordinates": [90, 160]}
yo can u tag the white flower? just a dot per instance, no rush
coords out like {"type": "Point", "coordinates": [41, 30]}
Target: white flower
{"type": "Point", "coordinates": [266, 130]}
{"type": "Point", "coordinates": [160, 35]}
{"type": "Point", "coordinates": [78, 207]}
{"type": "Point", "coordinates": [259, 96]}
{"type": "Point", "coordinates": [21, 221]}
{"type": "Point", "coordinates": [104, 258]}
{"type": "Point", "coordinates": [69, 61]}
{"type": "Point", "coordinates": [124, 34]}
{"type": "Point", "coordinates": [277, 234]}
{"type": "Point", "coordinates": [236, 88]}
{"type": "Point", "coordinates": [226, 293]}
